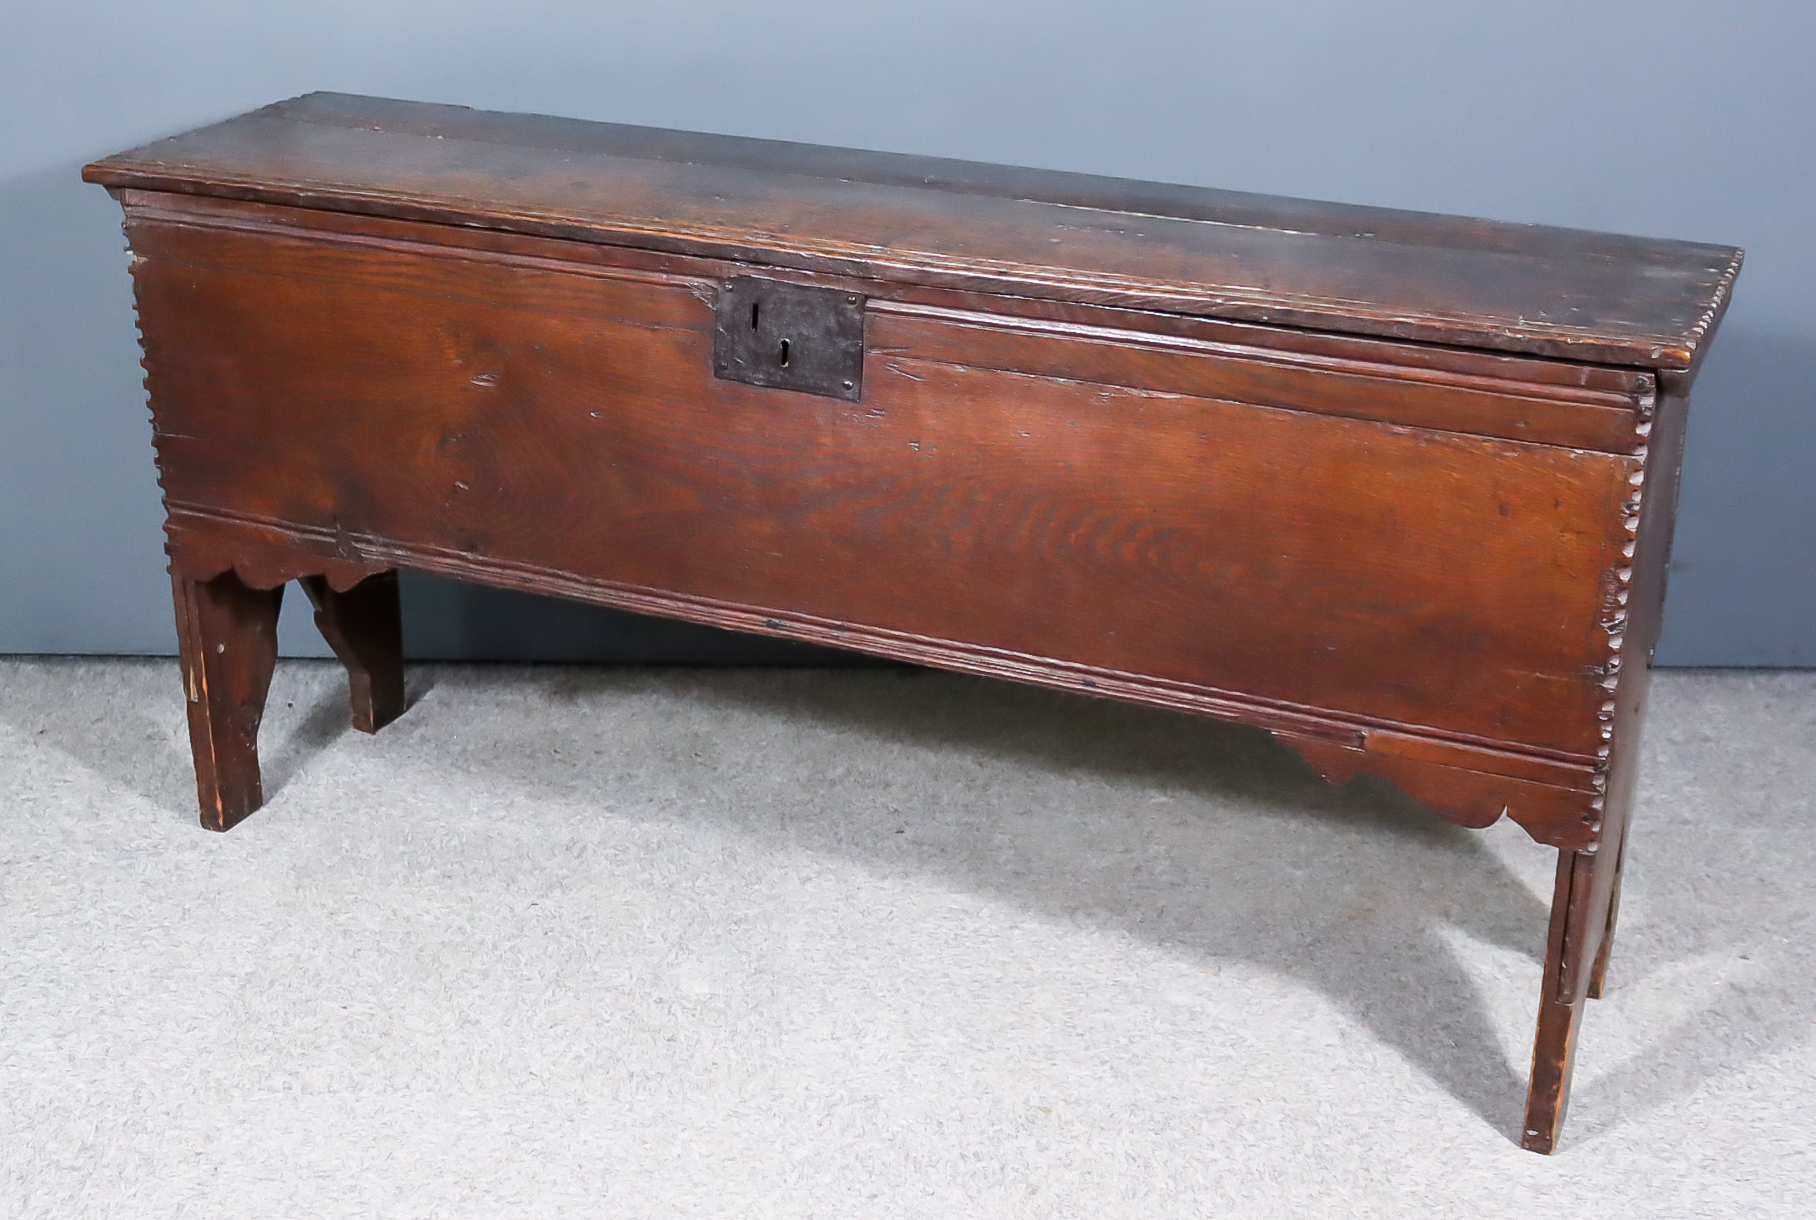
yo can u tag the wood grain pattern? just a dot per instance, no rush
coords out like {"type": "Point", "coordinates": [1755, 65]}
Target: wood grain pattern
{"type": "Point", "coordinates": [1183, 250]}
{"type": "Point", "coordinates": [1556, 801]}
{"type": "Point", "coordinates": [1156, 533]}
{"type": "Point", "coordinates": [227, 644]}
{"type": "Point", "coordinates": [1412, 360]}
{"type": "Point", "coordinates": [1560, 1016]}
{"type": "Point", "coordinates": [1357, 389]}
{"type": "Point", "coordinates": [364, 627]}
{"type": "Point", "coordinates": [1420, 532]}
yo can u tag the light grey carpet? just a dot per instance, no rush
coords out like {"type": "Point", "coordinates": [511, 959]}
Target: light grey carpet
{"type": "Point", "coordinates": [850, 944]}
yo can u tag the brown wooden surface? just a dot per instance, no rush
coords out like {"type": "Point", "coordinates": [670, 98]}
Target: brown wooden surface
{"type": "Point", "coordinates": [1412, 361]}
{"type": "Point", "coordinates": [1082, 457]}
{"type": "Point", "coordinates": [1354, 387]}
{"type": "Point", "coordinates": [1479, 284]}
{"type": "Point", "coordinates": [1560, 1015]}
{"type": "Point", "coordinates": [364, 626]}
{"type": "Point", "coordinates": [1598, 973]}
{"type": "Point", "coordinates": [1193, 539]}
{"type": "Point", "coordinates": [227, 643]}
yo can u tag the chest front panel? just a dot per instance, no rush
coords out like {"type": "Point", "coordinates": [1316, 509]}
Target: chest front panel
{"type": "Point", "coordinates": [1241, 522]}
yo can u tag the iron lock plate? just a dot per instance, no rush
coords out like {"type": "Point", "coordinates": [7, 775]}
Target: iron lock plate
{"type": "Point", "coordinates": [790, 337]}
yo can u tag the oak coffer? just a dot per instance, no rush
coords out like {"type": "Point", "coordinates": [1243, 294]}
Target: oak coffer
{"type": "Point", "coordinates": [1396, 487]}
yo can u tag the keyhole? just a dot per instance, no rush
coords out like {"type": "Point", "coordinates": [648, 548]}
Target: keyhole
{"type": "Point", "coordinates": [784, 353]}
{"type": "Point", "coordinates": [754, 306]}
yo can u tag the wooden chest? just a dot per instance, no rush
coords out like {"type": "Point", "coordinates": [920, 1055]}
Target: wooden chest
{"type": "Point", "coordinates": [1395, 487]}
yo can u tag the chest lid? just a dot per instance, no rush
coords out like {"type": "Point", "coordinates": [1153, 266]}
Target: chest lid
{"type": "Point", "coordinates": [1483, 284]}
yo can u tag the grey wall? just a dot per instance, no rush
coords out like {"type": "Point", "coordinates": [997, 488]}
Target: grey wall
{"type": "Point", "coordinates": [1673, 118]}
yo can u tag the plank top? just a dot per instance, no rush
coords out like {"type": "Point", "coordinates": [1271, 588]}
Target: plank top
{"type": "Point", "coordinates": [1564, 293]}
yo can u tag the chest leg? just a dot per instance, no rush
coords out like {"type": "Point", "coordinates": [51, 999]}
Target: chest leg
{"type": "Point", "coordinates": [365, 629]}
{"type": "Point", "coordinates": [1599, 974]}
{"type": "Point", "coordinates": [227, 641]}
{"type": "Point", "coordinates": [1581, 912]}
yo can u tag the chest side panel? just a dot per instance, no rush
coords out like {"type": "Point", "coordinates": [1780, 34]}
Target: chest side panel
{"type": "Point", "coordinates": [1034, 497]}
